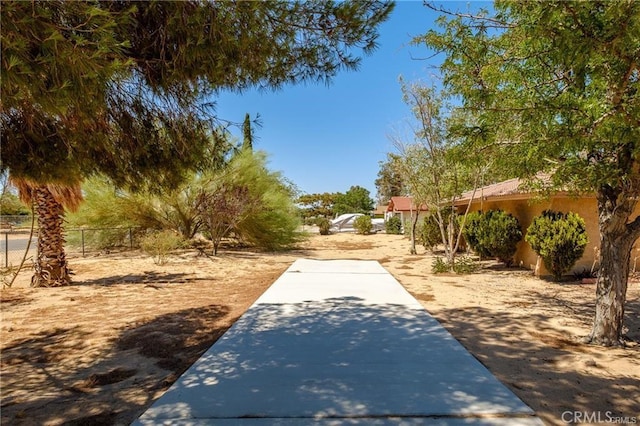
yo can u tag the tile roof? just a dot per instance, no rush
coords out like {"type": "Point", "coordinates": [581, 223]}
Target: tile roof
{"type": "Point", "coordinates": [500, 189]}
{"type": "Point", "coordinates": [403, 204]}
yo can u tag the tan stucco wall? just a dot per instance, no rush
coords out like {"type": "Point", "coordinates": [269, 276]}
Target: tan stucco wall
{"type": "Point", "coordinates": [525, 210]}
{"type": "Point", "coordinates": [406, 216]}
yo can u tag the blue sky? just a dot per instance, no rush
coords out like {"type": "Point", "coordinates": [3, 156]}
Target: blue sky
{"type": "Point", "coordinates": [328, 138]}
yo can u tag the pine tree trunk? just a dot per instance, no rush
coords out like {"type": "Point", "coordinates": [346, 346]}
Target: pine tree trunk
{"type": "Point", "coordinates": [616, 242]}
{"type": "Point", "coordinates": [51, 263]}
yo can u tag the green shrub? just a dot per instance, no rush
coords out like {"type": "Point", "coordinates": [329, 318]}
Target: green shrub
{"type": "Point", "coordinates": [362, 225]}
{"type": "Point", "coordinates": [439, 266]}
{"type": "Point", "coordinates": [430, 235]}
{"type": "Point", "coordinates": [160, 244]}
{"type": "Point", "coordinates": [493, 234]}
{"type": "Point", "coordinates": [462, 265]}
{"type": "Point", "coordinates": [472, 233]}
{"type": "Point", "coordinates": [559, 239]}
{"type": "Point", "coordinates": [325, 225]}
{"type": "Point", "coordinates": [393, 225]}
{"type": "Point", "coordinates": [465, 265]}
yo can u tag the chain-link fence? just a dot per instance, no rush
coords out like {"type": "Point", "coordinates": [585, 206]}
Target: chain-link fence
{"type": "Point", "coordinates": [15, 242]}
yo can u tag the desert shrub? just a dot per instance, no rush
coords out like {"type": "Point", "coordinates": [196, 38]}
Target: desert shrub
{"type": "Point", "coordinates": [430, 235]}
{"type": "Point", "coordinates": [462, 265]}
{"type": "Point", "coordinates": [160, 244]}
{"type": "Point", "coordinates": [465, 265]}
{"type": "Point", "coordinates": [493, 234]}
{"type": "Point", "coordinates": [406, 228]}
{"type": "Point", "coordinates": [324, 225]}
{"type": "Point", "coordinates": [393, 225]}
{"type": "Point", "coordinates": [259, 206]}
{"type": "Point", "coordinates": [440, 265]}
{"type": "Point", "coordinates": [559, 239]}
{"type": "Point", "coordinates": [362, 225]}
{"type": "Point", "coordinates": [103, 239]}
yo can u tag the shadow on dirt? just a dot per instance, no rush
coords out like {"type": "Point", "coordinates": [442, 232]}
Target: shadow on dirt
{"type": "Point", "coordinates": [100, 393]}
{"type": "Point", "coordinates": [146, 278]}
{"type": "Point", "coordinates": [502, 339]}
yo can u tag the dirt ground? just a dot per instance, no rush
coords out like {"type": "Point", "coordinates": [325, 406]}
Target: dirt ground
{"type": "Point", "coordinates": [102, 350]}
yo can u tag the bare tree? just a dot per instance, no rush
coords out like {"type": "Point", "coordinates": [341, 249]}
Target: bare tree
{"type": "Point", "coordinates": [432, 167]}
{"type": "Point", "coordinates": [223, 209]}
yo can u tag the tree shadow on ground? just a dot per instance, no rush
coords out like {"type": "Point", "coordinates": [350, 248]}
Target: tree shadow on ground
{"type": "Point", "coordinates": [146, 278]}
{"type": "Point", "coordinates": [113, 386]}
{"type": "Point", "coordinates": [502, 339]}
{"type": "Point", "coordinates": [339, 358]}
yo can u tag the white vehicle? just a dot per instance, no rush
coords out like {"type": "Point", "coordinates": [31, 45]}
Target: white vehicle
{"type": "Point", "coordinates": [344, 223]}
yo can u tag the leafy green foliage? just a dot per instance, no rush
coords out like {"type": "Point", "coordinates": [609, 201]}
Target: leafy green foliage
{"type": "Point", "coordinates": [560, 239]}
{"type": "Point", "coordinates": [493, 234]}
{"type": "Point", "coordinates": [362, 224]}
{"type": "Point", "coordinates": [269, 219]}
{"type": "Point", "coordinates": [389, 182]}
{"type": "Point", "coordinates": [440, 266]}
{"type": "Point", "coordinates": [58, 55]}
{"type": "Point", "coordinates": [324, 226]}
{"type": "Point", "coordinates": [243, 198]}
{"type": "Point", "coordinates": [465, 265]}
{"type": "Point", "coordinates": [317, 205]}
{"type": "Point", "coordinates": [106, 207]}
{"type": "Point", "coordinates": [393, 225]}
{"type": "Point", "coordinates": [160, 244]}
{"type": "Point", "coordinates": [10, 204]}
{"type": "Point", "coordinates": [552, 92]}
{"type": "Point", "coordinates": [122, 88]}
{"type": "Point", "coordinates": [356, 200]}
{"type": "Point", "coordinates": [473, 231]}
{"type": "Point", "coordinates": [430, 235]}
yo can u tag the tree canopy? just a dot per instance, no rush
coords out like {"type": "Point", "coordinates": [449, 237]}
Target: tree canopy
{"type": "Point", "coordinates": [122, 88]}
{"type": "Point", "coordinates": [317, 205]}
{"type": "Point", "coordinates": [389, 182]}
{"type": "Point", "coordinates": [553, 89]}
{"type": "Point", "coordinates": [356, 200]}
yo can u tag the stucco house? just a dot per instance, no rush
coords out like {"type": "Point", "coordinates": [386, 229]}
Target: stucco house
{"type": "Point", "coordinates": [403, 207]}
{"type": "Point", "coordinates": [509, 197]}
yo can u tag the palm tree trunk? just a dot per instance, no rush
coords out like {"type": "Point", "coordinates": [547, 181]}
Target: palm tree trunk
{"type": "Point", "coordinates": [51, 264]}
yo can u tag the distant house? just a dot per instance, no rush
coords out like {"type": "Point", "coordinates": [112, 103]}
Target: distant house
{"type": "Point", "coordinates": [380, 211]}
{"type": "Point", "coordinates": [404, 208]}
{"type": "Point", "coordinates": [510, 198]}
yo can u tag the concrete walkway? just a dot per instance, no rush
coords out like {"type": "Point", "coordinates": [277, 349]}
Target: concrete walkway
{"type": "Point", "coordinates": [332, 343]}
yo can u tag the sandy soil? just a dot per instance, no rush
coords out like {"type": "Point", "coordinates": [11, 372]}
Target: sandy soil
{"type": "Point", "coordinates": [100, 351]}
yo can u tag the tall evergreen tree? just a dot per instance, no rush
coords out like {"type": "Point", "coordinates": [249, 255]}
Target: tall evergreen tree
{"type": "Point", "coordinates": [120, 88]}
{"type": "Point", "coordinates": [247, 133]}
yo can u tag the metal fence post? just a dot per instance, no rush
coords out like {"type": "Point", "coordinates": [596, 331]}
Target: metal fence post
{"type": "Point", "coordinates": [82, 233]}
{"type": "Point", "coordinates": [6, 249]}
{"type": "Point", "coordinates": [130, 238]}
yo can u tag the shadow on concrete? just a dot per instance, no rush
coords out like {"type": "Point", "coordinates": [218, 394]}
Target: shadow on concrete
{"type": "Point", "coordinates": [336, 358]}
